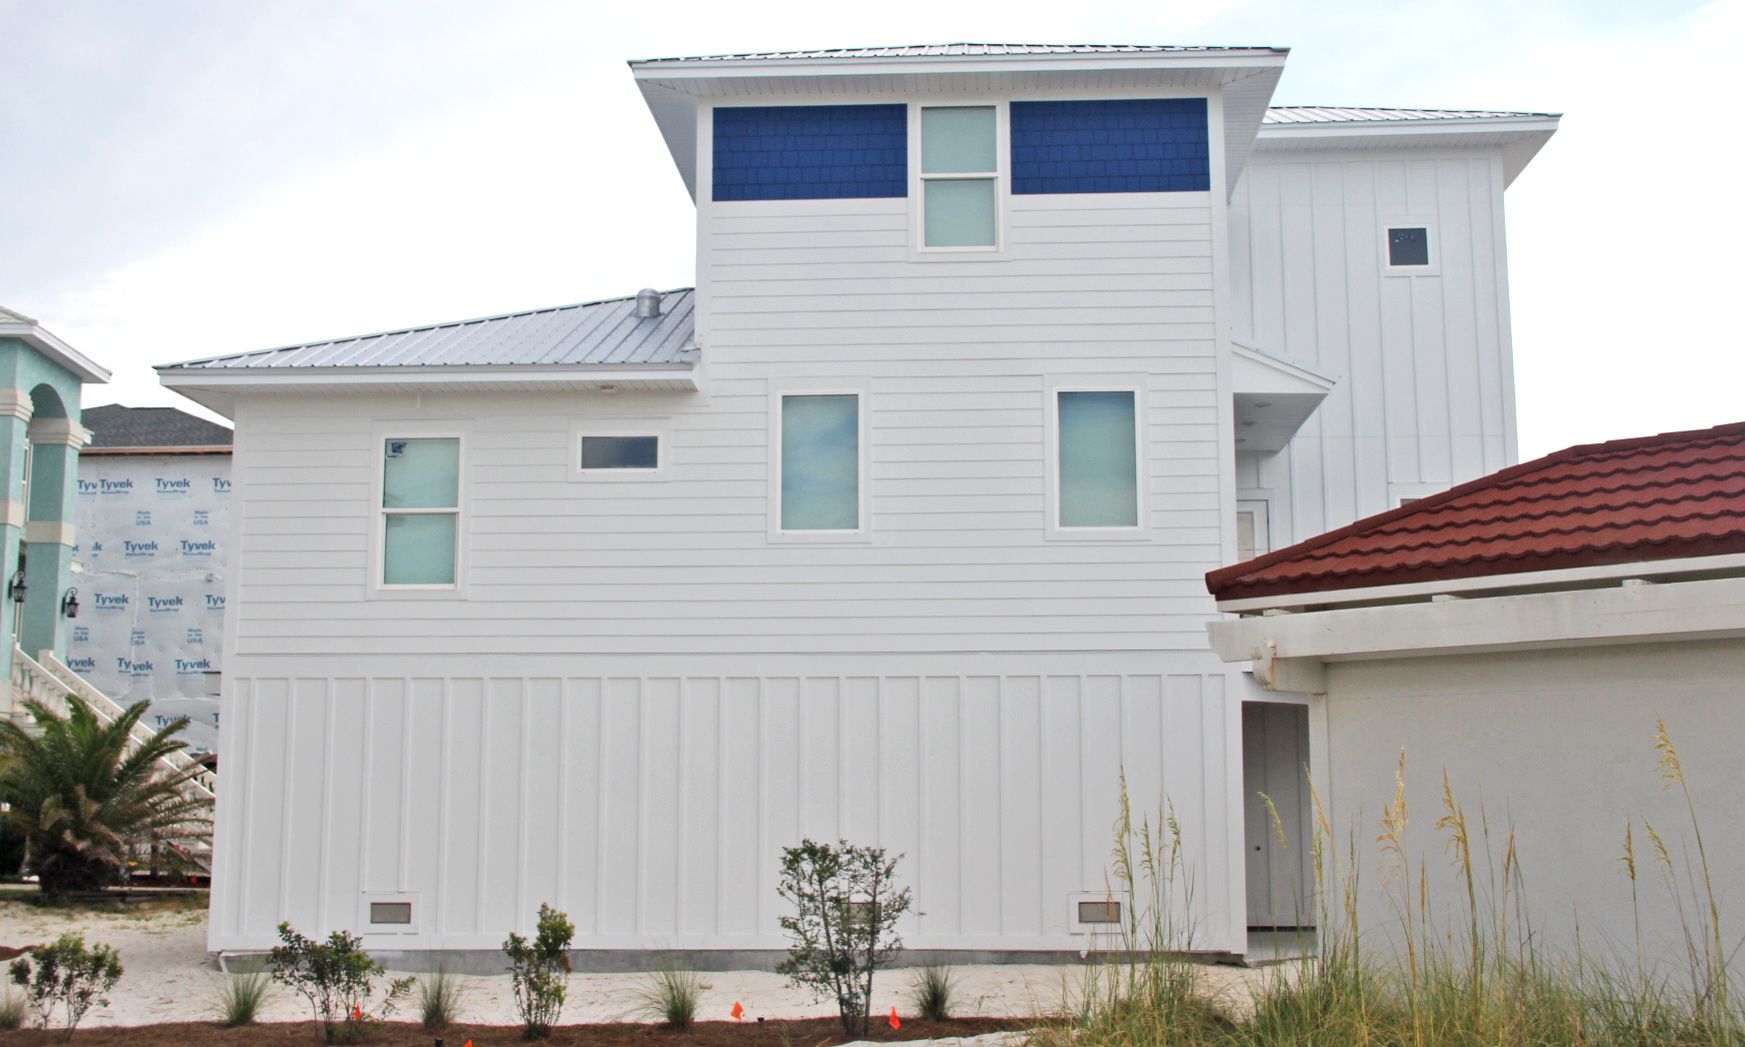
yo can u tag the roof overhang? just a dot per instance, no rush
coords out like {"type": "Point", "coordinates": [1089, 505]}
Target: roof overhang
{"type": "Point", "coordinates": [1290, 652]}
{"type": "Point", "coordinates": [32, 334]}
{"type": "Point", "coordinates": [676, 89]}
{"type": "Point", "coordinates": [218, 388]}
{"type": "Point", "coordinates": [1273, 398]}
{"type": "Point", "coordinates": [1519, 138]}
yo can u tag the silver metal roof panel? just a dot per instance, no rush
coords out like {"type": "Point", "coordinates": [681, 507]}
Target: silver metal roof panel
{"type": "Point", "coordinates": [602, 333]}
{"type": "Point", "coordinates": [960, 50]}
{"type": "Point", "coordinates": [1333, 114]}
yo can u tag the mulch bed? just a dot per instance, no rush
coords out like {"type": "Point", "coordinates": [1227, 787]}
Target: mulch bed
{"type": "Point", "coordinates": [807, 1032]}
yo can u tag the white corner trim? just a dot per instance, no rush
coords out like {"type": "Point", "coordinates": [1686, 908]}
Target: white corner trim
{"type": "Point", "coordinates": [1693, 610]}
{"type": "Point", "coordinates": [14, 513]}
{"type": "Point", "coordinates": [49, 532]}
{"type": "Point", "coordinates": [62, 431]}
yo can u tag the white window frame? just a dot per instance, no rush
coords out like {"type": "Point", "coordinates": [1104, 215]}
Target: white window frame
{"type": "Point", "coordinates": [1002, 178]}
{"type": "Point", "coordinates": [379, 527]}
{"type": "Point", "coordinates": [1141, 530]}
{"type": "Point", "coordinates": [863, 531]}
{"type": "Point", "coordinates": [1432, 244]}
{"type": "Point", "coordinates": [658, 429]}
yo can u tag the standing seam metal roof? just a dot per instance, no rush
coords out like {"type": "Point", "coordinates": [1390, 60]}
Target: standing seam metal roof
{"type": "Point", "coordinates": [1334, 114]}
{"type": "Point", "coordinates": [953, 51]}
{"type": "Point", "coordinates": [601, 333]}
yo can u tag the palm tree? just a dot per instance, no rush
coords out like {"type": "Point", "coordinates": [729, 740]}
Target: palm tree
{"type": "Point", "coordinates": [85, 797]}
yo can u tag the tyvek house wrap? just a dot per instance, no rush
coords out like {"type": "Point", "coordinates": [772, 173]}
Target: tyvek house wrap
{"type": "Point", "coordinates": [151, 558]}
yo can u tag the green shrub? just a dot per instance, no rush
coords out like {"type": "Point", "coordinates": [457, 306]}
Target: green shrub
{"type": "Point", "coordinates": [846, 908]}
{"type": "Point", "coordinates": [539, 972]}
{"type": "Point", "coordinates": [438, 1000]}
{"type": "Point", "coordinates": [338, 978]}
{"type": "Point", "coordinates": [670, 996]}
{"type": "Point", "coordinates": [68, 977]}
{"type": "Point", "coordinates": [11, 1011]}
{"type": "Point", "coordinates": [240, 997]}
{"type": "Point", "coordinates": [933, 991]}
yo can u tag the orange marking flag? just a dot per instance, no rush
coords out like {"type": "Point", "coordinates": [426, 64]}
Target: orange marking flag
{"type": "Point", "coordinates": [896, 1022]}
{"type": "Point", "coordinates": [738, 1012]}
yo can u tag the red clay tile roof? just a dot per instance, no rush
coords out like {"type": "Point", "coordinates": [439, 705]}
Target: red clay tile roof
{"type": "Point", "coordinates": [1650, 498]}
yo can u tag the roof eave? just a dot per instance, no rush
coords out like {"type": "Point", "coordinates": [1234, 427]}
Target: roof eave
{"type": "Point", "coordinates": [80, 365]}
{"type": "Point", "coordinates": [1522, 136]}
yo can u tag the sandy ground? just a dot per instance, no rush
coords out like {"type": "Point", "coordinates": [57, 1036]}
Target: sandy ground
{"type": "Point", "coordinates": [168, 978]}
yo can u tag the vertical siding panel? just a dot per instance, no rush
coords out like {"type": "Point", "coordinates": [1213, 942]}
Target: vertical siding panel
{"type": "Point", "coordinates": [307, 791]}
{"type": "Point", "coordinates": [779, 720]}
{"type": "Point", "coordinates": [1368, 380]}
{"type": "Point", "coordinates": [1100, 787]}
{"type": "Point", "coordinates": [582, 778]}
{"type": "Point", "coordinates": [980, 869]}
{"type": "Point", "coordinates": [385, 703]}
{"type": "Point", "coordinates": [1267, 275]}
{"type": "Point", "coordinates": [900, 782]}
{"type": "Point", "coordinates": [1465, 394]}
{"type": "Point", "coordinates": [263, 832]}
{"type": "Point", "coordinates": [501, 808]}
{"type": "Point", "coordinates": [941, 829]}
{"type": "Point", "coordinates": [820, 758]}
{"type": "Point", "coordinates": [621, 805]}
{"type": "Point", "coordinates": [547, 804]}
{"type": "Point", "coordinates": [700, 819]}
{"type": "Point", "coordinates": [426, 780]}
{"type": "Point", "coordinates": [662, 736]}
{"type": "Point", "coordinates": [1062, 792]}
{"type": "Point", "coordinates": [1187, 776]}
{"type": "Point", "coordinates": [860, 747]}
{"type": "Point", "coordinates": [467, 723]}
{"type": "Point", "coordinates": [1332, 355]}
{"type": "Point", "coordinates": [361, 763]}
{"type": "Point", "coordinates": [1021, 806]}
{"type": "Point", "coordinates": [743, 834]}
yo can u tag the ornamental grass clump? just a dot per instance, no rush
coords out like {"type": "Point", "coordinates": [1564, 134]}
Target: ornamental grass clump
{"type": "Point", "coordinates": [240, 997]}
{"type": "Point", "coordinates": [670, 996]}
{"type": "Point", "coordinates": [439, 998]}
{"type": "Point", "coordinates": [934, 991]}
{"type": "Point", "coordinates": [539, 972]}
{"type": "Point", "coordinates": [846, 906]}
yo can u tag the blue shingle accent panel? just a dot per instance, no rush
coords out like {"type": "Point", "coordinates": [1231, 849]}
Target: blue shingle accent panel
{"type": "Point", "coordinates": [811, 152]}
{"type": "Point", "coordinates": [1126, 145]}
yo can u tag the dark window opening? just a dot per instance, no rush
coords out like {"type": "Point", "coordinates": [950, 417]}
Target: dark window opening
{"type": "Point", "coordinates": [1409, 246]}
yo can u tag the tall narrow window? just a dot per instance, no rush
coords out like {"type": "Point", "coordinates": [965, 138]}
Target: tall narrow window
{"type": "Point", "coordinates": [420, 510]}
{"type": "Point", "coordinates": [820, 464]}
{"type": "Point", "coordinates": [960, 175]}
{"type": "Point", "coordinates": [1099, 458]}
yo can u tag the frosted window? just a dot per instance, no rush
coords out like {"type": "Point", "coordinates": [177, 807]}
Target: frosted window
{"type": "Point", "coordinates": [1099, 459]}
{"type": "Point", "coordinates": [419, 549]}
{"type": "Point", "coordinates": [420, 510]}
{"type": "Point", "coordinates": [958, 140]}
{"type": "Point", "coordinates": [960, 212]}
{"type": "Point", "coordinates": [620, 452]}
{"type": "Point", "coordinates": [821, 463]}
{"type": "Point", "coordinates": [423, 473]}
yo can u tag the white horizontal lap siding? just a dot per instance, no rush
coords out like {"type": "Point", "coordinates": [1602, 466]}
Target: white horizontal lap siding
{"type": "Point", "coordinates": [1425, 397]}
{"type": "Point", "coordinates": [652, 809]}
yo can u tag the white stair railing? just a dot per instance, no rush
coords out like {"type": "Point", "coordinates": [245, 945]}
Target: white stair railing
{"type": "Point", "coordinates": [49, 681]}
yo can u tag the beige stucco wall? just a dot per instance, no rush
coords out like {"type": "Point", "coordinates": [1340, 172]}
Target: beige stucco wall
{"type": "Point", "coordinates": [1558, 745]}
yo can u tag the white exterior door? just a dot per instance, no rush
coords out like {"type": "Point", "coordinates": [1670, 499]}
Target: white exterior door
{"type": "Point", "coordinates": [1275, 760]}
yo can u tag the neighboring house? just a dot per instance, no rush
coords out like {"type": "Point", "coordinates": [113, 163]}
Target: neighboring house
{"type": "Point", "coordinates": [40, 437]}
{"type": "Point", "coordinates": [891, 529]}
{"type": "Point", "coordinates": [153, 523]}
{"type": "Point", "coordinates": [1523, 634]}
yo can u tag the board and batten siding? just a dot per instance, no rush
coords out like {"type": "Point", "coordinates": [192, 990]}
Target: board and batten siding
{"type": "Point", "coordinates": [1425, 394]}
{"type": "Point", "coordinates": [641, 693]}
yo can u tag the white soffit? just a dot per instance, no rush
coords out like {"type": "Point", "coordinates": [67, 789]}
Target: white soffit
{"type": "Point", "coordinates": [675, 89]}
{"type": "Point", "coordinates": [1273, 398]}
{"type": "Point", "coordinates": [1519, 136]}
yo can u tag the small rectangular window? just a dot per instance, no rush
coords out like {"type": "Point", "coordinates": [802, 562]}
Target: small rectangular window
{"type": "Point", "coordinates": [1099, 912]}
{"type": "Point", "coordinates": [1408, 246]}
{"type": "Point", "coordinates": [960, 173]}
{"type": "Point", "coordinates": [1097, 435]}
{"type": "Point", "coordinates": [620, 452]}
{"type": "Point", "coordinates": [420, 510]}
{"type": "Point", "coordinates": [390, 912]}
{"type": "Point", "coordinates": [820, 462]}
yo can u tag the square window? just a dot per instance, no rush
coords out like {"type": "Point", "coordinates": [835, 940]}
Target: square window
{"type": "Point", "coordinates": [958, 140]}
{"type": "Point", "coordinates": [960, 212]}
{"type": "Point", "coordinates": [1097, 441]}
{"type": "Point", "coordinates": [620, 452]}
{"type": "Point", "coordinates": [820, 462]}
{"type": "Point", "coordinates": [1408, 246]}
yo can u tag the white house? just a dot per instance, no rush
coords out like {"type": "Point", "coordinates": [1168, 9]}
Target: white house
{"type": "Point", "coordinates": [893, 528]}
{"type": "Point", "coordinates": [1526, 634]}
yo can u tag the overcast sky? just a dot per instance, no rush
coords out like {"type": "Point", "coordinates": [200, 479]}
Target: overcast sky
{"type": "Point", "coordinates": [181, 179]}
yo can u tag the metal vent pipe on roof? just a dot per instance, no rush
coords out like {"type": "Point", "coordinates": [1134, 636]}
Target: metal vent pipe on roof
{"type": "Point", "coordinates": [647, 303]}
